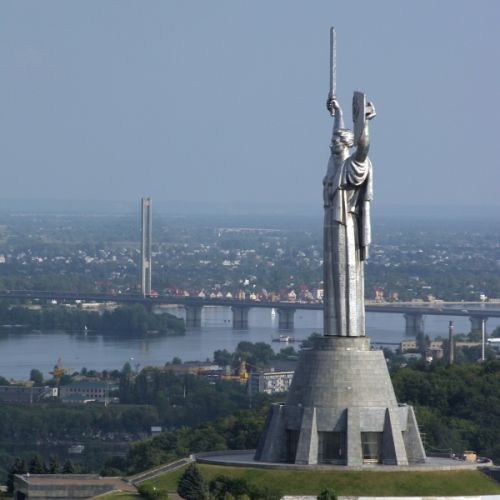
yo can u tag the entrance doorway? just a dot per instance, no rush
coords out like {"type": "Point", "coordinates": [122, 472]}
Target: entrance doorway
{"type": "Point", "coordinates": [292, 440]}
{"type": "Point", "coordinates": [371, 443]}
{"type": "Point", "coordinates": [331, 448]}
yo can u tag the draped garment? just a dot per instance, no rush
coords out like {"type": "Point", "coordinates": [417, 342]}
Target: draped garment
{"type": "Point", "coordinates": [348, 191]}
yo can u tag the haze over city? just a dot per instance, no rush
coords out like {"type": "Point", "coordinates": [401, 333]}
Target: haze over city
{"type": "Point", "coordinates": [224, 102]}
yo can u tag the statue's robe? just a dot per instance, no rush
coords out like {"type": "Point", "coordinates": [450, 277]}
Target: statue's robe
{"type": "Point", "coordinates": [348, 190]}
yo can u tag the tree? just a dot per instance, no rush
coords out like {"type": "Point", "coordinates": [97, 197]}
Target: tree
{"type": "Point", "coordinates": [257, 354]}
{"type": "Point", "coordinates": [125, 383]}
{"type": "Point", "coordinates": [114, 466]}
{"type": "Point", "coordinates": [287, 352]}
{"type": "Point", "coordinates": [191, 484]}
{"type": "Point", "coordinates": [267, 492]}
{"type": "Point", "coordinates": [36, 465]}
{"type": "Point", "coordinates": [68, 467]}
{"type": "Point", "coordinates": [18, 467]}
{"type": "Point", "coordinates": [223, 357]}
{"type": "Point", "coordinates": [65, 379]}
{"type": "Point", "coordinates": [36, 376]}
{"type": "Point", "coordinates": [309, 342]}
{"type": "Point", "coordinates": [221, 486]}
{"type": "Point", "coordinates": [327, 495]}
{"type": "Point", "coordinates": [126, 370]}
{"type": "Point", "coordinates": [53, 467]}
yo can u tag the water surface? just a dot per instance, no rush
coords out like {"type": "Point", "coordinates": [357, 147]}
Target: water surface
{"type": "Point", "coordinates": [20, 352]}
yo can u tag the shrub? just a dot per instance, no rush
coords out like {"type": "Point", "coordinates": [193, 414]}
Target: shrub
{"type": "Point", "coordinates": [152, 492]}
{"type": "Point", "coordinates": [221, 486]}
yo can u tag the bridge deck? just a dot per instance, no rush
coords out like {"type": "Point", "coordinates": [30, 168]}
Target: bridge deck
{"type": "Point", "coordinates": [441, 309]}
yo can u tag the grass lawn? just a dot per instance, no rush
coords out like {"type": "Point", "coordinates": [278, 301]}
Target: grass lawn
{"type": "Point", "coordinates": [302, 482]}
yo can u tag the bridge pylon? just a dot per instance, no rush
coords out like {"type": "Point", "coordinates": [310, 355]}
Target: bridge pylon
{"type": "Point", "coordinates": [414, 324]}
{"type": "Point", "coordinates": [240, 317]}
{"type": "Point", "coordinates": [193, 316]}
{"type": "Point", "coordinates": [476, 323]}
{"type": "Point", "coordinates": [286, 318]}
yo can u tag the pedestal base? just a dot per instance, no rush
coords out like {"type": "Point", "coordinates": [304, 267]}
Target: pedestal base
{"type": "Point", "coordinates": [341, 409]}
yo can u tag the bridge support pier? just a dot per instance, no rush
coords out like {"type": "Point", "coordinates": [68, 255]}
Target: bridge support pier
{"type": "Point", "coordinates": [240, 317]}
{"type": "Point", "coordinates": [193, 316]}
{"type": "Point", "coordinates": [477, 324]}
{"type": "Point", "coordinates": [414, 324]}
{"type": "Point", "coordinates": [286, 318]}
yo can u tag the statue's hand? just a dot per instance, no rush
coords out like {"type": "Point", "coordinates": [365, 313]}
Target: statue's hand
{"type": "Point", "coordinates": [370, 111]}
{"type": "Point", "coordinates": [332, 105]}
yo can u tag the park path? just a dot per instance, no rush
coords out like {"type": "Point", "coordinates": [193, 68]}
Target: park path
{"type": "Point", "coordinates": [158, 471]}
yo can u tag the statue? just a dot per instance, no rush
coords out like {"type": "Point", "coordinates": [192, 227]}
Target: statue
{"type": "Point", "coordinates": [341, 407]}
{"type": "Point", "coordinates": [347, 193]}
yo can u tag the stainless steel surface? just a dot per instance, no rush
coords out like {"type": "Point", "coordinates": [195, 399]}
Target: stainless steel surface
{"type": "Point", "coordinates": [347, 193]}
{"type": "Point", "coordinates": [333, 68]}
{"type": "Point", "coordinates": [483, 339]}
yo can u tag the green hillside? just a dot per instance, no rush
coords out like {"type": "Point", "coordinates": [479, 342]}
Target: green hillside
{"type": "Point", "coordinates": [302, 482]}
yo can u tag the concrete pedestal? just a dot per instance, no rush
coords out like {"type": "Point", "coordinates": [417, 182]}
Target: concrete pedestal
{"type": "Point", "coordinates": [341, 409]}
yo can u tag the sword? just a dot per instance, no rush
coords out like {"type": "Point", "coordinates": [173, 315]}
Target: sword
{"type": "Point", "coordinates": [333, 68]}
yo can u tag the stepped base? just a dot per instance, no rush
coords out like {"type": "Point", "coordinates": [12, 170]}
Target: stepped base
{"type": "Point", "coordinates": [341, 409]}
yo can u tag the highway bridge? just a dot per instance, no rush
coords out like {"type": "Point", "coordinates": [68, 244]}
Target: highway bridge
{"type": "Point", "coordinates": [413, 313]}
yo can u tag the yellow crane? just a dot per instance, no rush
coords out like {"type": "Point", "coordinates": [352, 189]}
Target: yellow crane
{"type": "Point", "coordinates": [59, 371]}
{"type": "Point", "coordinates": [243, 372]}
{"type": "Point", "coordinates": [241, 375]}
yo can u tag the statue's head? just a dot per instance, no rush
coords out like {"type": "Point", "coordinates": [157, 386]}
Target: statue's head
{"type": "Point", "coordinates": [342, 138]}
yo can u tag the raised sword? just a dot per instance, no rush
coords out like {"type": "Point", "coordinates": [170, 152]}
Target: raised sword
{"type": "Point", "coordinates": [333, 69]}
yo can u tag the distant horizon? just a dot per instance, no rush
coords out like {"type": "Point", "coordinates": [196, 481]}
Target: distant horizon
{"type": "Point", "coordinates": [242, 208]}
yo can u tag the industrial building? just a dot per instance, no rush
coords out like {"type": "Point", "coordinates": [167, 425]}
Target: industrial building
{"type": "Point", "coordinates": [26, 393]}
{"type": "Point", "coordinates": [86, 391]}
{"type": "Point", "coordinates": [52, 486]}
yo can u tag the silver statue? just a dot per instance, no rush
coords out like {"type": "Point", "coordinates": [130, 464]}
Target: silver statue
{"type": "Point", "coordinates": [347, 193]}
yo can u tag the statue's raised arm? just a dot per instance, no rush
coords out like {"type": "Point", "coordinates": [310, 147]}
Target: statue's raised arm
{"type": "Point", "coordinates": [362, 112]}
{"type": "Point", "coordinates": [363, 144]}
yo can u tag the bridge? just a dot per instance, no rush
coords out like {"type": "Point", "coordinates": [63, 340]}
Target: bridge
{"type": "Point", "coordinates": [413, 313]}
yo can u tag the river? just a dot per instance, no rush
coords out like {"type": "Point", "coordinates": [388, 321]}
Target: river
{"type": "Point", "coordinates": [21, 351]}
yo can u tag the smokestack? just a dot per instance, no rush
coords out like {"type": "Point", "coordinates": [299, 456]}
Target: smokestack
{"type": "Point", "coordinates": [451, 344]}
{"type": "Point", "coordinates": [483, 339]}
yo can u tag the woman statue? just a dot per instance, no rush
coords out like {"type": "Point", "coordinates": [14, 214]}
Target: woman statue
{"type": "Point", "coordinates": [347, 194]}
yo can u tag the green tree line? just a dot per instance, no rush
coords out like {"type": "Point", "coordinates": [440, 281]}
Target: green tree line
{"type": "Point", "coordinates": [458, 406]}
{"type": "Point", "coordinates": [238, 431]}
{"type": "Point", "coordinates": [134, 319]}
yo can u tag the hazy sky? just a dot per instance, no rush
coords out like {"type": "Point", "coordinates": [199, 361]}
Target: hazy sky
{"type": "Point", "coordinates": [223, 100]}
